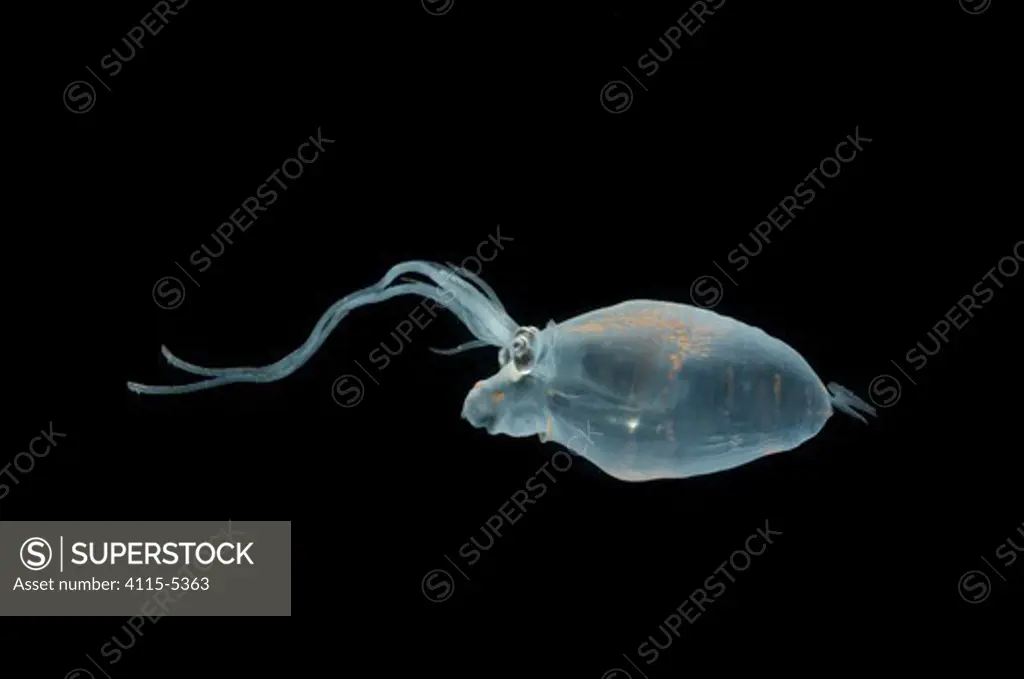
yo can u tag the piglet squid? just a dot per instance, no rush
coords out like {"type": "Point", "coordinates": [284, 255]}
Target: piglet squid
{"type": "Point", "coordinates": [666, 390]}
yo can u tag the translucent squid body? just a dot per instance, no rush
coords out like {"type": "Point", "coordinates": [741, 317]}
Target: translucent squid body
{"type": "Point", "coordinates": [661, 390]}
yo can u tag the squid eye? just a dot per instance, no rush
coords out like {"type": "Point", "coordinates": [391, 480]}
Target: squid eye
{"type": "Point", "coordinates": [524, 360]}
{"type": "Point", "coordinates": [522, 351]}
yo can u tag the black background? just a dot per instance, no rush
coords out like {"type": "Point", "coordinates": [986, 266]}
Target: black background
{"type": "Point", "coordinates": [444, 128]}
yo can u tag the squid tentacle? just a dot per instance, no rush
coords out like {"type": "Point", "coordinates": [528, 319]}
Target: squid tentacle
{"type": "Point", "coordinates": [482, 315]}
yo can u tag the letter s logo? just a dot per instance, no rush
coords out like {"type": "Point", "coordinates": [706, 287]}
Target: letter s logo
{"type": "Point", "coordinates": [36, 554]}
